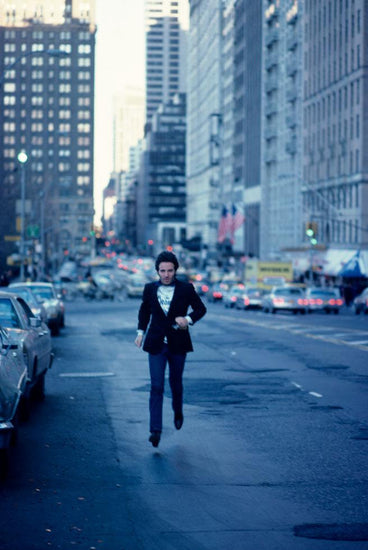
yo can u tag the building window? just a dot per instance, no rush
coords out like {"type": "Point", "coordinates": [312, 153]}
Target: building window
{"type": "Point", "coordinates": [84, 48]}
{"type": "Point", "coordinates": [64, 88]}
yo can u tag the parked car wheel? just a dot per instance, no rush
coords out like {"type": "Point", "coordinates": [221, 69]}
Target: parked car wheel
{"type": "Point", "coordinates": [38, 390]}
{"type": "Point", "coordinates": [4, 463]}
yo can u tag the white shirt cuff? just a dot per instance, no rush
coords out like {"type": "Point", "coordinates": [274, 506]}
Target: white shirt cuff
{"type": "Point", "coordinates": [189, 319]}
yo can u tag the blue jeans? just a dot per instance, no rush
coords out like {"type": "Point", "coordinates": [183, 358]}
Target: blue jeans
{"type": "Point", "coordinates": [157, 366]}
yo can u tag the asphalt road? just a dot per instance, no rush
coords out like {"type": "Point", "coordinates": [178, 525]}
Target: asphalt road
{"type": "Point", "coordinates": [272, 454]}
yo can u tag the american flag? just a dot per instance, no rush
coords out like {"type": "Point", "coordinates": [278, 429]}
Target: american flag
{"type": "Point", "coordinates": [238, 219]}
{"type": "Point", "coordinates": [225, 225]}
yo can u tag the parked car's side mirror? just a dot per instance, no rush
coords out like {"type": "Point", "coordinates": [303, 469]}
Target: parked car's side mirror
{"type": "Point", "coordinates": [35, 322]}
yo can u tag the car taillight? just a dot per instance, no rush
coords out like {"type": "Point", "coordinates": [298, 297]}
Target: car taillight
{"type": "Point", "coordinates": [332, 302]}
{"type": "Point", "coordinates": [302, 302]}
{"type": "Point", "coordinates": [278, 301]}
{"type": "Point", "coordinates": [339, 301]}
{"type": "Point", "coordinates": [217, 295]}
{"type": "Point", "coordinates": [233, 298]}
{"type": "Point", "coordinates": [204, 288]}
{"type": "Point", "coordinates": [246, 301]}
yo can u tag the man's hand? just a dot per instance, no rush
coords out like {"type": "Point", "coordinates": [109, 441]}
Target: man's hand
{"type": "Point", "coordinates": [138, 340]}
{"type": "Point", "coordinates": [182, 322]}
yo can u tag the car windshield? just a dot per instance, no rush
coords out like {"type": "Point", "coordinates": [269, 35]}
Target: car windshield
{"type": "Point", "coordinates": [26, 294]}
{"type": "Point", "coordinates": [43, 293]}
{"type": "Point", "coordinates": [288, 292]}
{"type": "Point", "coordinates": [323, 293]}
{"type": "Point", "coordinates": [8, 316]}
{"type": "Point", "coordinates": [253, 291]}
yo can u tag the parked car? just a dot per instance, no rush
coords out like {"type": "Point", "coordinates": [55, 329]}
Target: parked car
{"type": "Point", "coordinates": [251, 298]}
{"type": "Point", "coordinates": [285, 298]}
{"type": "Point", "coordinates": [324, 299]}
{"type": "Point", "coordinates": [34, 338]}
{"type": "Point", "coordinates": [360, 303]}
{"type": "Point", "coordinates": [26, 292]}
{"type": "Point", "coordinates": [47, 295]}
{"type": "Point", "coordinates": [13, 380]}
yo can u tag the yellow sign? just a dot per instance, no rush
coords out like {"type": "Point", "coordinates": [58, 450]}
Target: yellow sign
{"type": "Point", "coordinates": [268, 274]}
{"type": "Point", "coordinates": [11, 238]}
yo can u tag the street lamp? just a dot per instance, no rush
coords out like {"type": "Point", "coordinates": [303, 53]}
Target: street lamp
{"type": "Point", "coordinates": [22, 159]}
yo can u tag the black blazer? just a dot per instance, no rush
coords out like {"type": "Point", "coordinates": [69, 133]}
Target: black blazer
{"type": "Point", "coordinates": [159, 325]}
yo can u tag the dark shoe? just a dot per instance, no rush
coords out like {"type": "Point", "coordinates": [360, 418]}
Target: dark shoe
{"type": "Point", "coordinates": [154, 438]}
{"type": "Point", "coordinates": [178, 421]}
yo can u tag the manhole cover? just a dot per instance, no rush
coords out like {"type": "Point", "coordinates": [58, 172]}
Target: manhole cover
{"type": "Point", "coordinates": [333, 531]}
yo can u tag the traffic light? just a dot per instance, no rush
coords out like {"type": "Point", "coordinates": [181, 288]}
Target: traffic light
{"type": "Point", "coordinates": [311, 230]}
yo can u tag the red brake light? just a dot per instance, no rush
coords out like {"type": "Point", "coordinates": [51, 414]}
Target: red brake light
{"type": "Point", "coordinates": [278, 300]}
{"type": "Point", "coordinates": [205, 288]}
{"type": "Point", "coordinates": [233, 298]}
{"type": "Point", "coordinates": [246, 301]}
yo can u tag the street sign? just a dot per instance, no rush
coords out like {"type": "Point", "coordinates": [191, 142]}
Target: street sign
{"type": "Point", "coordinates": [33, 231]}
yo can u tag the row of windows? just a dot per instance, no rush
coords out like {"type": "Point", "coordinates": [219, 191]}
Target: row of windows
{"type": "Point", "coordinates": [38, 88]}
{"type": "Point", "coordinates": [333, 104]}
{"type": "Point", "coordinates": [39, 101]}
{"type": "Point", "coordinates": [40, 35]}
{"type": "Point", "coordinates": [82, 127]}
{"type": "Point", "coordinates": [63, 141]}
{"type": "Point", "coordinates": [318, 22]}
{"type": "Point", "coordinates": [11, 47]}
{"type": "Point", "coordinates": [332, 167]}
{"type": "Point", "coordinates": [346, 130]}
{"type": "Point", "coordinates": [62, 167]}
{"type": "Point", "coordinates": [337, 66]}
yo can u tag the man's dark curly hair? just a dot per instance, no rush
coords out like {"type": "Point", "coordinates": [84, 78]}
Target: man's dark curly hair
{"type": "Point", "coordinates": [167, 256]}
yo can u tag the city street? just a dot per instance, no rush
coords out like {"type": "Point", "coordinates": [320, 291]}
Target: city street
{"type": "Point", "coordinates": [272, 454]}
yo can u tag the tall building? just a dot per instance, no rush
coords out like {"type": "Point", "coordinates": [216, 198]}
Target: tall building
{"type": "Point", "coordinates": [46, 95]}
{"type": "Point", "coordinates": [204, 121]}
{"type": "Point", "coordinates": [166, 30]}
{"type": "Point", "coordinates": [247, 92]}
{"type": "Point", "coordinates": [281, 153]}
{"type": "Point", "coordinates": [128, 121]}
{"type": "Point", "coordinates": [161, 181]}
{"type": "Point", "coordinates": [335, 164]}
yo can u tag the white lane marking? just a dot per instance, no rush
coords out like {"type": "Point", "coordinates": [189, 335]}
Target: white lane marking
{"type": "Point", "coordinates": [359, 343]}
{"type": "Point", "coordinates": [297, 385]}
{"type": "Point", "coordinates": [85, 374]}
{"type": "Point", "coordinates": [315, 394]}
{"type": "Point", "coordinates": [267, 324]}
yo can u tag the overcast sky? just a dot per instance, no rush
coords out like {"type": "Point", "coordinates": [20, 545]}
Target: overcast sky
{"type": "Point", "coordinates": [120, 62]}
